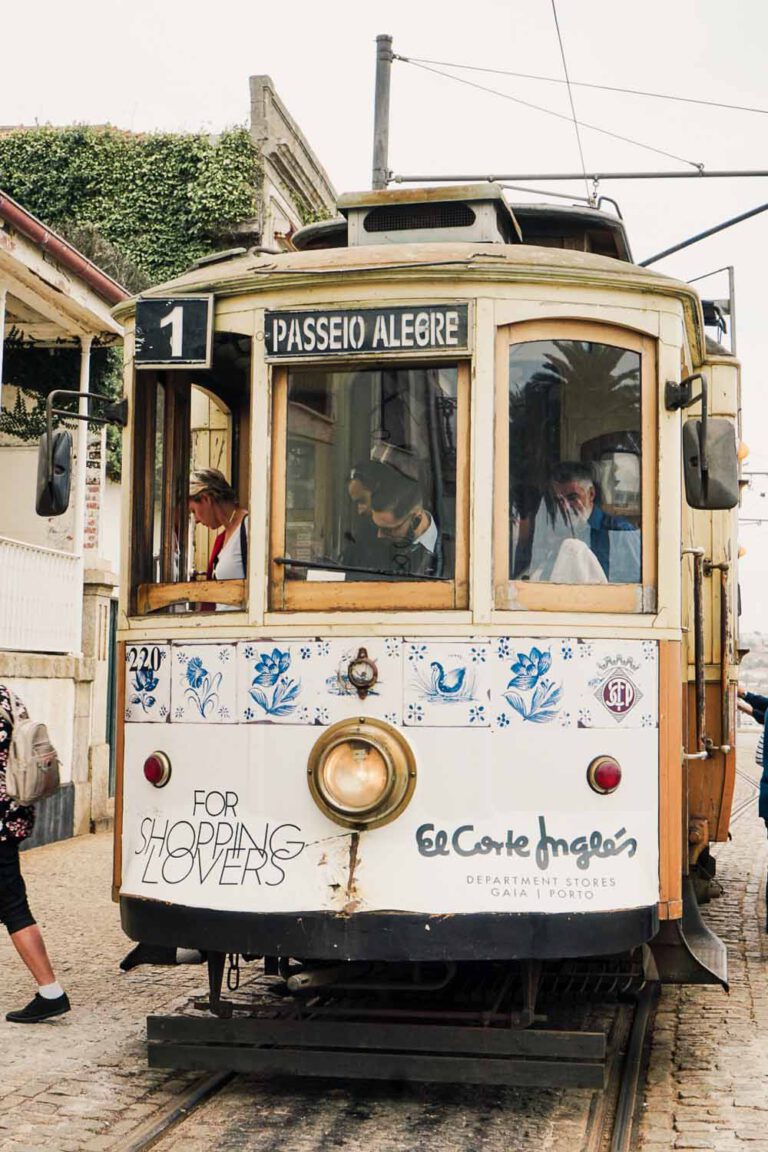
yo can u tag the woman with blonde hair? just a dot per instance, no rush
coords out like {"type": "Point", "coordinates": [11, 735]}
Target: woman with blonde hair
{"type": "Point", "coordinates": [213, 503]}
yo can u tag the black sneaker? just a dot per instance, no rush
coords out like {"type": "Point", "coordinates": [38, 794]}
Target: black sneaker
{"type": "Point", "coordinates": [41, 1008]}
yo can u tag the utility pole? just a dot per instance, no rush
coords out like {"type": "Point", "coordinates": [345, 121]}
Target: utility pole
{"type": "Point", "coordinates": [380, 176]}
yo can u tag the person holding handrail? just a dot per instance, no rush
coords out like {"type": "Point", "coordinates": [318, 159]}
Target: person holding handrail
{"type": "Point", "coordinates": [756, 706]}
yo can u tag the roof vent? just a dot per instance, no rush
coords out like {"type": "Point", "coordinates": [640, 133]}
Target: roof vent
{"type": "Point", "coordinates": [469, 213]}
{"type": "Point", "coordinates": [405, 217]}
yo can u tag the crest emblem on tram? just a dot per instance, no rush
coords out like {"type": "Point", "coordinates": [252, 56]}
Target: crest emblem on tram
{"type": "Point", "coordinates": [615, 688]}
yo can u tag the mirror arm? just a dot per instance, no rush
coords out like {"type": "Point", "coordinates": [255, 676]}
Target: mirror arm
{"type": "Point", "coordinates": [116, 412]}
{"type": "Point", "coordinates": [677, 396]}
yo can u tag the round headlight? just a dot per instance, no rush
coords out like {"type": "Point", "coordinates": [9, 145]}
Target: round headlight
{"type": "Point", "coordinates": [355, 775]}
{"type": "Point", "coordinates": [361, 773]}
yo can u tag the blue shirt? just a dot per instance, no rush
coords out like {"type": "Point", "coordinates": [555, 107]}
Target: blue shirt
{"type": "Point", "coordinates": [616, 544]}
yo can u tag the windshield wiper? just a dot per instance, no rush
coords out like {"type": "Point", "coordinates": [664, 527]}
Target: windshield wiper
{"type": "Point", "coordinates": [327, 566]}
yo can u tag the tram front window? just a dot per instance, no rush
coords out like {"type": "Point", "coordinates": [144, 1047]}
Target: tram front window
{"type": "Point", "coordinates": [370, 487]}
{"type": "Point", "coordinates": [575, 457]}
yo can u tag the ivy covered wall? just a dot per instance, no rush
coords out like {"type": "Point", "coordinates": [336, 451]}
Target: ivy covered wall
{"type": "Point", "coordinates": [159, 201]}
{"type": "Point", "coordinates": [142, 207]}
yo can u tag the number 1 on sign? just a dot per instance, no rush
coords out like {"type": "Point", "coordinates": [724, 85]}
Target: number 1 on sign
{"type": "Point", "coordinates": [176, 320]}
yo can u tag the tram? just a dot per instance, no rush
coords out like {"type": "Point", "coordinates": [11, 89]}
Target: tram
{"type": "Point", "coordinates": [472, 701]}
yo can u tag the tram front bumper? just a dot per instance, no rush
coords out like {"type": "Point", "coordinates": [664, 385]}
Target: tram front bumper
{"type": "Point", "coordinates": [390, 936]}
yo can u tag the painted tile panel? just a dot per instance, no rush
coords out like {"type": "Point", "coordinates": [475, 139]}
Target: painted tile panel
{"type": "Point", "coordinates": [306, 681]}
{"type": "Point", "coordinates": [147, 683]}
{"type": "Point", "coordinates": [204, 687]}
{"type": "Point", "coordinates": [529, 685]}
{"type": "Point", "coordinates": [446, 684]}
{"type": "Point", "coordinates": [271, 682]}
{"type": "Point", "coordinates": [574, 683]}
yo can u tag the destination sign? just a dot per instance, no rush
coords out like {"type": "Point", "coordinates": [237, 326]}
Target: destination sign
{"type": "Point", "coordinates": [343, 332]}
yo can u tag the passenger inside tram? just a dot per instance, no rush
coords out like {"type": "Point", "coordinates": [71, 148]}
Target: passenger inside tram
{"type": "Point", "coordinates": [371, 474]}
{"type": "Point", "coordinates": [363, 547]}
{"type": "Point", "coordinates": [575, 452]}
{"type": "Point", "coordinates": [578, 542]}
{"type": "Point", "coordinates": [399, 515]}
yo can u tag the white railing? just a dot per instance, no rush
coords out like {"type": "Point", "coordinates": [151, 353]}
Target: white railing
{"type": "Point", "coordinates": [41, 598]}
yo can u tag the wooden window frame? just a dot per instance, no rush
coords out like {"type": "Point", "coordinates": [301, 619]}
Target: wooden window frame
{"type": "Point", "coordinates": [147, 595]}
{"type": "Point", "coordinates": [535, 596]}
{"type": "Point", "coordinates": [395, 595]}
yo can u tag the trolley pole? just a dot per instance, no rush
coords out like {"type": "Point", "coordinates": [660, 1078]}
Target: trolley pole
{"type": "Point", "coordinates": [380, 176]}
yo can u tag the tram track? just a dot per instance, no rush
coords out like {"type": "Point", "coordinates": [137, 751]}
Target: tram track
{"type": "Point", "coordinates": [609, 1117]}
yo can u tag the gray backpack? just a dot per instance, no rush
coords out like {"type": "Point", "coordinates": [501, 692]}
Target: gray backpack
{"type": "Point", "coordinates": [32, 770]}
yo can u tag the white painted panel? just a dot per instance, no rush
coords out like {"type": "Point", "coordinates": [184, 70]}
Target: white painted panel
{"type": "Point", "coordinates": [41, 598]}
{"type": "Point", "coordinates": [501, 820]}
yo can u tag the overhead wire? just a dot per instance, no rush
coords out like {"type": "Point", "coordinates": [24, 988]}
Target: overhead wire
{"type": "Point", "coordinates": [570, 96]}
{"type": "Point", "coordinates": [586, 84]}
{"type": "Point", "coordinates": [549, 112]}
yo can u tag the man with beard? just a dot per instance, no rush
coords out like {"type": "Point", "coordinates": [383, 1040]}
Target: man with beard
{"type": "Point", "coordinates": [614, 542]}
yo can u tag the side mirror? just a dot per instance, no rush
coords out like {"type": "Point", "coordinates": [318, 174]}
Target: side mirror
{"type": "Point", "coordinates": [710, 464]}
{"type": "Point", "coordinates": [54, 473]}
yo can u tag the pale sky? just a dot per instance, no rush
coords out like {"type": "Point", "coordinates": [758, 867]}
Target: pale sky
{"type": "Point", "coordinates": [184, 66]}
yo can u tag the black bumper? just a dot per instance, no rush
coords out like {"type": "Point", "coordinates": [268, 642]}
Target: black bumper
{"type": "Point", "coordinates": [390, 935]}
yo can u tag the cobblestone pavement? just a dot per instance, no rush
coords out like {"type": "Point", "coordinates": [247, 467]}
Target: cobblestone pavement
{"type": "Point", "coordinates": [80, 1084]}
{"type": "Point", "coordinates": [708, 1077]}
{"type": "Point", "coordinates": [77, 1084]}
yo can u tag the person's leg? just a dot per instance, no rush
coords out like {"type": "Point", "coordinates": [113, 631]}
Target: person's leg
{"type": "Point", "coordinates": [30, 946]}
{"type": "Point", "coordinates": [50, 999]}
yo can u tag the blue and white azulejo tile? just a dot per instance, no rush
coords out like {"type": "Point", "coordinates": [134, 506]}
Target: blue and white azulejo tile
{"type": "Point", "coordinates": [271, 681]}
{"type": "Point", "coordinates": [204, 683]}
{"type": "Point", "coordinates": [530, 683]}
{"type": "Point", "coordinates": [147, 683]}
{"type": "Point", "coordinates": [446, 684]}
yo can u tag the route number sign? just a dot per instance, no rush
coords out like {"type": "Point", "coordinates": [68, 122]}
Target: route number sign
{"type": "Point", "coordinates": [176, 332]}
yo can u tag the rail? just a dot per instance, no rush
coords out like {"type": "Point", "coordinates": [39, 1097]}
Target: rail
{"type": "Point", "coordinates": [41, 598]}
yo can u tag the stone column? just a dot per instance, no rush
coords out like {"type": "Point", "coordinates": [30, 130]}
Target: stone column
{"type": "Point", "coordinates": [98, 588]}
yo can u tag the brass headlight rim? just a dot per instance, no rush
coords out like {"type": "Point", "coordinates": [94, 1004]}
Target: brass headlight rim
{"type": "Point", "coordinates": [398, 756]}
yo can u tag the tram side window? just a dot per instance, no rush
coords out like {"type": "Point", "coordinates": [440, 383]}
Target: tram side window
{"type": "Point", "coordinates": [371, 474]}
{"type": "Point", "coordinates": [187, 421]}
{"type": "Point", "coordinates": [575, 456]}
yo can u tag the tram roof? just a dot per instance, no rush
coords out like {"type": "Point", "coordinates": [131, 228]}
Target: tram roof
{"type": "Point", "coordinates": [241, 272]}
{"type": "Point", "coordinates": [536, 243]}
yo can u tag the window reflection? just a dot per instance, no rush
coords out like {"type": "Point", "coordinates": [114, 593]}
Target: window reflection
{"type": "Point", "coordinates": [574, 462]}
{"type": "Point", "coordinates": [371, 474]}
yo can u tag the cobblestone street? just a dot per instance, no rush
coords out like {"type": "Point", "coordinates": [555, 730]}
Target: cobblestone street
{"type": "Point", "coordinates": [80, 1084]}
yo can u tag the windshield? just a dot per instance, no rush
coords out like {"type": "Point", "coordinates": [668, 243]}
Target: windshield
{"type": "Point", "coordinates": [371, 474]}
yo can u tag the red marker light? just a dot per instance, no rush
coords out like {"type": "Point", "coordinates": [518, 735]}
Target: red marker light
{"type": "Point", "coordinates": [157, 769]}
{"type": "Point", "coordinates": [604, 774]}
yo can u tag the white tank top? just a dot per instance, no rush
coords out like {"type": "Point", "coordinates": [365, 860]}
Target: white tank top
{"type": "Point", "coordinates": [229, 565]}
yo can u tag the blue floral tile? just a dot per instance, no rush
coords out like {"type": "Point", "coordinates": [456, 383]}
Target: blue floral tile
{"type": "Point", "coordinates": [147, 683]}
{"type": "Point", "coordinates": [272, 681]}
{"type": "Point", "coordinates": [447, 683]}
{"type": "Point", "coordinates": [529, 681]}
{"type": "Point", "coordinates": [204, 683]}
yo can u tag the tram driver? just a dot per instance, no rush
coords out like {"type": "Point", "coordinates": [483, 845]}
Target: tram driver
{"type": "Point", "coordinates": [575, 541]}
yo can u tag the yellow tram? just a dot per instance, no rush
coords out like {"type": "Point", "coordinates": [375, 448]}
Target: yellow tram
{"type": "Point", "coordinates": [471, 698]}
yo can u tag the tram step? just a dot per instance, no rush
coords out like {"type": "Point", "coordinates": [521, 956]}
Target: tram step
{"type": "Point", "coordinates": [380, 1051]}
